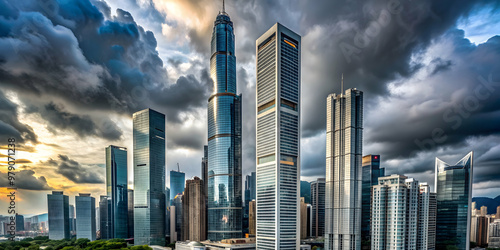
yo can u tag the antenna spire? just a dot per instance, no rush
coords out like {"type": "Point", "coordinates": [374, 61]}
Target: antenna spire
{"type": "Point", "coordinates": [342, 85]}
{"type": "Point", "coordinates": [223, 6]}
{"type": "Point", "coordinates": [178, 168]}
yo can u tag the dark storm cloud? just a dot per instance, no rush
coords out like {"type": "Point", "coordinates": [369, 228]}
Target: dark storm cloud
{"type": "Point", "coordinates": [75, 172]}
{"type": "Point", "coordinates": [89, 59]}
{"type": "Point", "coordinates": [187, 94]}
{"type": "Point", "coordinates": [440, 65]}
{"type": "Point", "coordinates": [10, 126]}
{"type": "Point", "coordinates": [82, 125]}
{"type": "Point", "coordinates": [370, 42]}
{"type": "Point", "coordinates": [25, 179]}
{"type": "Point", "coordinates": [448, 117]}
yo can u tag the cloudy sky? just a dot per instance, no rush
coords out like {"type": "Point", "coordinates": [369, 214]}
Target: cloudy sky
{"type": "Point", "coordinates": [72, 72]}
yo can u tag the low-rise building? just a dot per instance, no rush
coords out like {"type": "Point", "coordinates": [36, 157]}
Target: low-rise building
{"type": "Point", "coordinates": [189, 245]}
{"type": "Point", "coordinates": [227, 244]}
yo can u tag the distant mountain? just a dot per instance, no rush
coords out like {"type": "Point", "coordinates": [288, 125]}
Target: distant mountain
{"type": "Point", "coordinates": [492, 204]}
{"type": "Point", "coordinates": [305, 191]}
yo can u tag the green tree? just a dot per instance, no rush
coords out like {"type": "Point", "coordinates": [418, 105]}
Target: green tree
{"type": "Point", "coordinates": [144, 247]}
{"type": "Point", "coordinates": [41, 238]}
{"type": "Point", "coordinates": [115, 245]}
{"type": "Point", "coordinates": [34, 247]}
{"type": "Point", "coordinates": [82, 243]}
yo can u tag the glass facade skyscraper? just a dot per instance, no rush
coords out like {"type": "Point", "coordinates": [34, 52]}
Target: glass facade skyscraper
{"type": "Point", "coordinates": [105, 222]}
{"type": "Point", "coordinates": [149, 177]}
{"type": "Point", "coordinates": [318, 207]}
{"type": "Point", "coordinates": [371, 172]}
{"type": "Point", "coordinates": [177, 183]}
{"type": "Point", "coordinates": [344, 137]}
{"type": "Point", "coordinates": [58, 213]}
{"type": "Point", "coordinates": [85, 217]}
{"type": "Point", "coordinates": [130, 193]}
{"type": "Point", "coordinates": [116, 188]}
{"type": "Point", "coordinates": [72, 220]}
{"type": "Point", "coordinates": [250, 191]}
{"type": "Point", "coordinates": [204, 170]}
{"type": "Point", "coordinates": [454, 196]}
{"type": "Point", "coordinates": [278, 139]}
{"type": "Point", "coordinates": [224, 137]}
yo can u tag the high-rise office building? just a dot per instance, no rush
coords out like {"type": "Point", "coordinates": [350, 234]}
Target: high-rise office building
{"type": "Point", "coordinates": [371, 171]}
{"type": "Point", "coordinates": [98, 221]}
{"type": "Point", "coordinates": [173, 233]}
{"type": "Point", "coordinates": [177, 222]}
{"type": "Point", "coordinates": [193, 205]}
{"type": "Point", "coordinates": [149, 177]}
{"type": "Point", "coordinates": [497, 216]}
{"type": "Point", "coordinates": [303, 219]}
{"type": "Point", "coordinates": [252, 218]}
{"type": "Point", "coordinates": [278, 138]}
{"type": "Point", "coordinates": [204, 170]}
{"type": "Point", "coordinates": [494, 234]}
{"type": "Point", "coordinates": [344, 139]}
{"type": "Point", "coordinates": [58, 212]}
{"type": "Point", "coordinates": [130, 213]}
{"type": "Point", "coordinates": [473, 228]}
{"type": "Point", "coordinates": [250, 181]}
{"type": "Point", "coordinates": [85, 217]}
{"type": "Point", "coordinates": [484, 210]}
{"type": "Point", "coordinates": [167, 212]}
{"type": "Point", "coordinates": [309, 220]}
{"type": "Point", "coordinates": [177, 183]}
{"type": "Point", "coordinates": [482, 231]}
{"type": "Point", "coordinates": [474, 211]}
{"type": "Point", "coordinates": [454, 194]}
{"type": "Point", "coordinates": [318, 207]}
{"type": "Point", "coordinates": [105, 217]}
{"type": "Point", "coordinates": [72, 220]}
{"type": "Point", "coordinates": [224, 136]}
{"type": "Point", "coordinates": [427, 208]}
{"type": "Point", "coordinates": [19, 223]}
{"type": "Point", "coordinates": [479, 229]}
{"type": "Point", "coordinates": [401, 214]}
{"type": "Point", "coordinates": [116, 188]}
{"type": "Point", "coordinates": [204, 176]}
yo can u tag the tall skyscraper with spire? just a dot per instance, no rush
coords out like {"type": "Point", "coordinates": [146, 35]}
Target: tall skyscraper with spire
{"type": "Point", "coordinates": [278, 139]}
{"type": "Point", "coordinates": [344, 137]}
{"type": "Point", "coordinates": [224, 136]}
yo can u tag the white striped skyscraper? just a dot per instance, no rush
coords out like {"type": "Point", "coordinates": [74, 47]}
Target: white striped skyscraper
{"type": "Point", "coordinates": [344, 138]}
{"type": "Point", "coordinates": [278, 139]}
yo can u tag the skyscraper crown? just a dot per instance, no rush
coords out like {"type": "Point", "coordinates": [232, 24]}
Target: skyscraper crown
{"type": "Point", "coordinates": [463, 163]}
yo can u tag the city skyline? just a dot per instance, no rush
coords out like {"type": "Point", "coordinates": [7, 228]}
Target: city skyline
{"type": "Point", "coordinates": [53, 162]}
